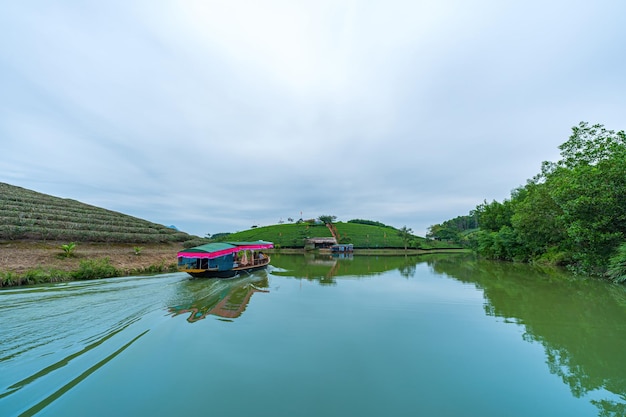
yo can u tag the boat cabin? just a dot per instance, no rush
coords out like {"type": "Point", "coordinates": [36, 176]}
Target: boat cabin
{"type": "Point", "coordinates": [223, 259]}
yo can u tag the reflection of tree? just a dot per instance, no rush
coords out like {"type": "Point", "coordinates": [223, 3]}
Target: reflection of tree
{"type": "Point", "coordinates": [408, 269]}
{"type": "Point", "coordinates": [324, 268]}
{"type": "Point", "coordinates": [223, 298]}
{"type": "Point", "coordinates": [610, 408]}
{"type": "Point", "coordinates": [579, 322]}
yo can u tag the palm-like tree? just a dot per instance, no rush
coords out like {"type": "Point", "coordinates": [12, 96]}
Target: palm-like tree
{"type": "Point", "coordinates": [406, 233]}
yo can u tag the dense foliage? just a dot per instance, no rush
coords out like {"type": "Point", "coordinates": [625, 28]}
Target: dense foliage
{"type": "Point", "coordinates": [572, 213]}
{"type": "Point", "coordinates": [454, 230]}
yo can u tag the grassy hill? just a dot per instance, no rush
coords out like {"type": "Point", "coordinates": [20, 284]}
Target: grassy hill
{"type": "Point", "coordinates": [29, 215]}
{"type": "Point", "coordinates": [362, 236]}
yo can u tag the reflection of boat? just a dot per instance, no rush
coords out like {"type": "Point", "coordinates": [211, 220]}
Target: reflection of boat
{"type": "Point", "coordinates": [224, 259]}
{"type": "Point", "coordinates": [225, 299]}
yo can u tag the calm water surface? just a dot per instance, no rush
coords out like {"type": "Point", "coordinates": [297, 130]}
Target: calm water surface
{"type": "Point", "coordinates": [317, 336]}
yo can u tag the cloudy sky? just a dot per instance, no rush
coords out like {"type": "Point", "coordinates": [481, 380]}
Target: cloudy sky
{"type": "Point", "coordinates": [218, 115]}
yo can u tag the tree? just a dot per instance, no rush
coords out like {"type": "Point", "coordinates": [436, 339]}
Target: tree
{"type": "Point", "coordinates": [590, 145]}
{"type": "Point", "coordinates": [589, 185]}
{"type": "Point", "coordinates": [443, 232]}
{"type": "Point", "coordinates": [573, 212]}
{"type": "Point", "coordinates": [406, 235]}
{"type": "Point", "coordinates": [492, 216]}
{"type": "Point", "coordinates": [327, 219]}
{"type": "Point", "coordinates": [538, 221]}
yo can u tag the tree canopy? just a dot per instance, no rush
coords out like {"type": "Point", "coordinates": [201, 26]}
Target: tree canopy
{"type": "Point", "coordinates": [572, 213]}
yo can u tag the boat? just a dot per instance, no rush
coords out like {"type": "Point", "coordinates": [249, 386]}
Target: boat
{"type": "Point", "coordinates": [224, 259]}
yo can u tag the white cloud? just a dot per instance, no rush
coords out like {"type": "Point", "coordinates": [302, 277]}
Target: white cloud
{"type": "Point", "coordinates": [216, 115]}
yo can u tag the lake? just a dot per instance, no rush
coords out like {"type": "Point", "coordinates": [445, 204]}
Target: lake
{"type": "Point", "coordinates": [435, 335]}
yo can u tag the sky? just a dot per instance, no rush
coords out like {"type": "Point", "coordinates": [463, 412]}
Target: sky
{"type": "Point", "coordinates": [215, 116]}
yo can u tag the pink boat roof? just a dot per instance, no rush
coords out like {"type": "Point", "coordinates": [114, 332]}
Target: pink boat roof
{"type": "Point", "coordinates": [217, 249]}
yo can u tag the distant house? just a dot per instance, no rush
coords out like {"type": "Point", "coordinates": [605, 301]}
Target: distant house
{"type": "Point", "coordinates": [348, 248]}
{"type": "Point", "coordinates": [320, 243]}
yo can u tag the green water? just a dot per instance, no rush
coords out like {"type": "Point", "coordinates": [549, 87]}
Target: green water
{"type": "Point", "coordinates": [318, 336]}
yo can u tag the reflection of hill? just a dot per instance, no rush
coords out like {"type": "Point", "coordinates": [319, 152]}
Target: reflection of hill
{"type": "Point", "coordinates": [581, 323]}
{"type": "Point", "coordinates": [325, 267]}
{"type": "Point", "coordinates": [226, 298]}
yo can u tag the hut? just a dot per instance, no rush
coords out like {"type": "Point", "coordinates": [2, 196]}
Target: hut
{"type": "Point", "coordinates": [320, 243]}
{"type": "Point", "coordinates": [349, 248]}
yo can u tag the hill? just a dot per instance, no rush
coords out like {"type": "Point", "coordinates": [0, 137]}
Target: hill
{"type": "Point", "coordinates": [29, 215]}
{"type": "Point", "coordinates": [362, 236]}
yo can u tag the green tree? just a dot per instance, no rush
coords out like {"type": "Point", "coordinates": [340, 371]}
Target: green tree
{"type": "Point", "coordinates": [443, 232]}
{"type": "Point", "coordinates": [327, 219]}
{"type": "Point", "coordinates": [589, 185]}
{"type": "Point", "coordinates": [538, 221]}
{"type": "Point", "coordinates": [492, 216]}
{"type": "Point", "coordinates": [590, 145]}
{"type": "Point", "coordinates": [572, 212]}
{"type": "Point", "coordinates": [406, 234]}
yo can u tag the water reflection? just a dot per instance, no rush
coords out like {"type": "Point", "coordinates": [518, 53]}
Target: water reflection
{"type": "Point", "coordinates": [581, 323]}
{"type": "Point", "coordinates": [224, 298]}
{"type": "Point", "coordinates": [326, 267]}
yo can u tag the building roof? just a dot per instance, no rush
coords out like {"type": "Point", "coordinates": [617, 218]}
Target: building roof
{"type": "Point", "coordinates": [217, 249]}
{"type": "Point", "coordinates": [322, 240]}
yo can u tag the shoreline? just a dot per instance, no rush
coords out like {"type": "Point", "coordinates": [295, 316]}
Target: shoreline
{"type": "Point", "coordinates": [36, 262]}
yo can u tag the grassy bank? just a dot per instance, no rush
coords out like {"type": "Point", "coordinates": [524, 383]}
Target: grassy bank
{"type": "Point", "coordinates": [27, 263]}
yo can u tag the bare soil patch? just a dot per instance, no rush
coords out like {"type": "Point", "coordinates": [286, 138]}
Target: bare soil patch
{"type": "Point", "coordinates": [19, 257]}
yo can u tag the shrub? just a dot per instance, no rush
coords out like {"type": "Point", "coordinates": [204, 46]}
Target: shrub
{"type": "Point", "coordinates": [58, 275]}
{"type": "Point", "coordinates": [617, 265]}
{"type": "Point", "coordinates": [95, 269]}
{"type": "Point", "coordinates": [9, 279]}
{"type": "Point", "coordinates": [35, 276]}
{"type": "Point", "coordinates": [68, 249]}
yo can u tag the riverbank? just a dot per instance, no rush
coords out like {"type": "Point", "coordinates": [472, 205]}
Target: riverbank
{"type": "Point", "coordinates": [27, 262]}
{"type": "Point", "coordinates": [31, 262]}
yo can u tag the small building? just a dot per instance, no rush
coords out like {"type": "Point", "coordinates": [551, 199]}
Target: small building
{"type": "Point", "coordinates": [320, 243]}
{"type": "Point", "coordinates": [349, 248]}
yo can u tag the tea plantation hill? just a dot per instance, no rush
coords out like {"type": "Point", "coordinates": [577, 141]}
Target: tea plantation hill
{"type": "Point", "coordinates": [34, 226]}
{"type": "Point", "coordinates": [356, 232]}
{"type": "Point", "coordinates": [27, 215]}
